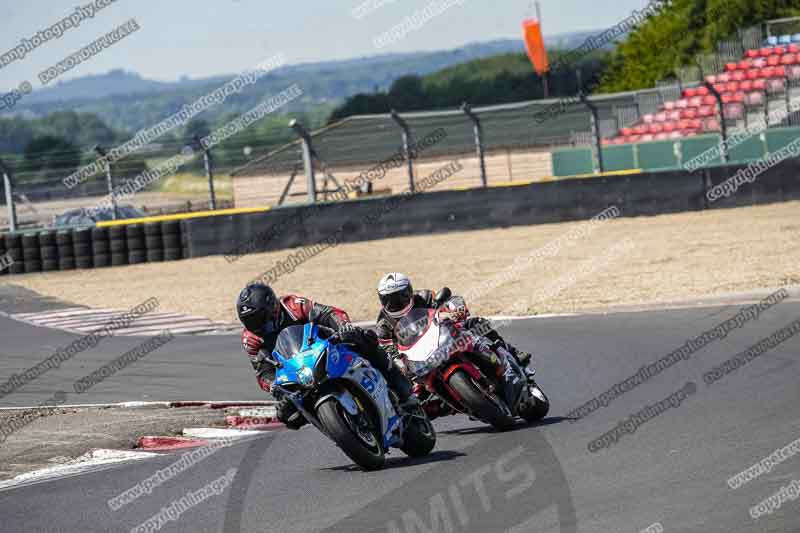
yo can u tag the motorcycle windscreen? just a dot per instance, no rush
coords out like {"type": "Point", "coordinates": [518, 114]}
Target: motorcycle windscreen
{"type": "Point", "coordinates": [412, 327]}
{"type": "Point", "coordinates": [291, 342]}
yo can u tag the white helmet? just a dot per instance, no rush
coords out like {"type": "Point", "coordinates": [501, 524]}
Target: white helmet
{"type": "Point", "coordinates": [396, 294]}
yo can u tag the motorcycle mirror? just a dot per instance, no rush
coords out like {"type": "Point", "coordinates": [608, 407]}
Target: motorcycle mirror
{"type": "Point", "coordinates": [442, 296]}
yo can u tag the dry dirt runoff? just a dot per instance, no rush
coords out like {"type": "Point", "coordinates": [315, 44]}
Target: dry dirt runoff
{"type": "Point", "coordinates": [628, 261]}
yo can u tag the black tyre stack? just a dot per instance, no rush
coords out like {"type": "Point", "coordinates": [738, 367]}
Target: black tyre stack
{"type": "Point", "coordinates": [66, 250]}
{"type": "Point", "coordinates": [31, 253]}
{"type": "Point", "coordinates": [137, 253]}
{"type": "Point", "coordinates": [48, 250]}
{"type": "Point", "coordinates": [13, 245]}
{"type": "Point", "coordinates": [154, 241]}
{"type": "Point", "coordinates": [118, 245]}
{"type": "Point", "coordinates": [173, 243]}
{"type": "Point", "coordinates": [82, 248]}
{"type": "Point", "coordinates": [101, 247]}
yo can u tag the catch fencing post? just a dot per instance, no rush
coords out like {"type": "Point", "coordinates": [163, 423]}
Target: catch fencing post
{"type": "Point", "coordinates": [8, 183]}
{"type": "Point", "coordinates": [209, 171]}
{"type": "Point", "coordinates": [308, 164]}
{"type": "Point", "coordinates": [723, 126]}
{"type": "Point", "coordinates": [595, 130]}
{"type": "Point", "coordinates": [406, 147]}
{"type": "Point", "coordinates": [478, 139]}
{"type": "Point", "coordinates": [109, 181]}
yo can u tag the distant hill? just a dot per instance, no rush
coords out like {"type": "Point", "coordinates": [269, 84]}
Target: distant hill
{"type": "Point", "coordinates": [126, 101]}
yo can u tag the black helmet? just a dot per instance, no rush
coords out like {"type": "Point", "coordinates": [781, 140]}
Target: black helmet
{"type": "Point", "coordinates": [258, 309]}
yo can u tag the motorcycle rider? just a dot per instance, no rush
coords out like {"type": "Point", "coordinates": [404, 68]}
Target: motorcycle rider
{"type": "Point", "coordinates": [264, 315]}
{"type": "Point", "coordinates": [398, 298]}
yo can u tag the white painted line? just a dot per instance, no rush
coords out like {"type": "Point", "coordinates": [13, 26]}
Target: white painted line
{"type": "Point", "coordinates": [101, 319]}
{"type": "Point", "coordinates": [61, 312]}
{"type": "Point", "coordinates": [129, 405]}
{"type": "Point", "coordinates": [258, 412]}
{"type": "Point", "coordinates": [87, 462]}
{"type": "Point", "coordinates": [220, 433]}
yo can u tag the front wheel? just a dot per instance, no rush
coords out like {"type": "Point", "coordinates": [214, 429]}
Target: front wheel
{"type": "Point", "coordinates": [354, 435]}
{"type": "Point", "coordinates": [538, 405]}
{"type": "Point", "coordinates": [420, 437]}
{"type": "Point", "coordinates": [481, 403]}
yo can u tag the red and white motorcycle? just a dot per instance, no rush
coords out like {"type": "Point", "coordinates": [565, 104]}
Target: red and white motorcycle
{"type": "Point", "coordinates": [463, 370]}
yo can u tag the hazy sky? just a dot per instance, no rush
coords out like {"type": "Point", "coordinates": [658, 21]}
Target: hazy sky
{"type": "Point", "coordinates": [205, 37]}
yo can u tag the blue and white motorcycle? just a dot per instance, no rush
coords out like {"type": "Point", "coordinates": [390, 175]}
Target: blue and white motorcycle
{"type": "Point", "coordinates": [343, 396]}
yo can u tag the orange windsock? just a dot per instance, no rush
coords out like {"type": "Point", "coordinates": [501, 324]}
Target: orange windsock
{"type": "Point", "coordinates": [534, 44]}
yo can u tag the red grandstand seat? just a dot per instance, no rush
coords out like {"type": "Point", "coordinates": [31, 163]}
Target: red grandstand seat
{"type": "Point", "coordinates": [779, 72]}
{"type": "Point", "coordinates": [755, 99]}
{"type": "Point", "coordinates": [689, 113]}
{"type": "Point", "coordinates": [793, 49]}
{"type": "Point", "coordinates": [661, 136]}
{"type": "Point", "coordinates": [690, 134]}
{"type": "Point", "coordinates": [674, 115]}
{"type": "Point", "coordinates": [711, 124]}
{"type": "Point", "coordinates": [739, 75]}
{"type": "Point", "coordinates": [725, 77]}
{"type": "Point", "coordinates": [696, 124]}
{"type": "Point", "coordinates": [766, 72]}
{"type": "Point", "coordinates": [683, 103]}
{"type": "Point", "coordinates": [669, 106]}
{"type": "Point", "coordinates": [685, 124]}
{"type": "Point", "coordinates": [746, 86]}
{"type": "Point", "coordinates": [656, 128]}
{"type": "Point", "coordinates": [676, 135]}
{"type": "Point", "coordinates": [793, 72]}
{"type": "Point", "coordinates": [706, 111]}
{"type": "Point", "coordinates": [744, 64]}
{"type": "Point", "coordinates": [779, 50]}
{"type": "Point", "coordinates": [732, 87]}
{"type": "Point", "coordinates": [774, 60]}
{"type": "Point", "coordinates": [730, 67]}
{"type": "Point", "coordinates": [696, 101]}
{"type": "Point", "coordinates": [753, 74]}
{"type": "Point", "coordinates": [738, 97]}
{"type": "Point", "coordinates": [626, 131]}
{"type": "Point", "coordinates": [760, 85]}
{"type": "Point", "coordinates": [734, 111]}
{"type": "Point", "coordinates": [634, 138]}
{"type": "Point", "coordinates": [720, 87]}
{"type": "Point", "coordinates": [661, 117]}
{"type": "Point", "coordinates": [765, 52]}
{"type": "Point", "coordinates": [776, 85]}
{"type": "Point", "coordinates": [690, 93]}
{"type": "Point", "coordinates": [710, 100]}
{"type": "Point", "coordinates": [703, 91]}
{"type": "Point", "coordinates": [646, 138]}
{"type": "Point", "coordinates": [605, 142]}
{"type": "Point", "coordinates": [759, 63]}
{"type": "Point", "coordinates": [727, 98]}
{"type": "Point", "coordinates": [752, 53]}
{"type": "Point", "coordinates": [789, 59]}
{"type": "Point", "coordinates": [648, 118]}
{"type": "Point", "coordinates": [669, 127]}
{"type": "Point", "coordinates": [712, 79]}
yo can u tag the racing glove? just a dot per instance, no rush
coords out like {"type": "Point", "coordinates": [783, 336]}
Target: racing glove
{"type": "Point", "coordinates": [251, 343]}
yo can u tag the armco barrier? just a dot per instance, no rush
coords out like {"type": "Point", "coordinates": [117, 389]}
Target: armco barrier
{"type": "Point", "coordinates": [235, 233]}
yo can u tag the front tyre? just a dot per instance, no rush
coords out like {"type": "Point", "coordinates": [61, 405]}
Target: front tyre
{"type": "Point", "coordinates": [481, 403]}
{"type": "Point", "coordinates": [420, 437]}
{"type": "Point", "coordinates": [355, 437]}
{"type": "Point", "coordinates": [537, 407]}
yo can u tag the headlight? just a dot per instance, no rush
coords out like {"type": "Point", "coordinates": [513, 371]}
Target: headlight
{"type": "Point", "coordinates": [305, 376]}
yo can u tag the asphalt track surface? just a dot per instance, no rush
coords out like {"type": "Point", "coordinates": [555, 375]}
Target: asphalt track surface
{"type": "Point", "coordinates": [673, 470]}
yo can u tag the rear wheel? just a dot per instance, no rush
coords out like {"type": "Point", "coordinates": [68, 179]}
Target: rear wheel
{"type": "Point", "coordinates": [353, 434]}
{"type": "Point", "coordinates": [537, 407]}
{"type": "Point", "coordinates": [420, 437]}
{"type": "Point", "coordinates": [481, 403]}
